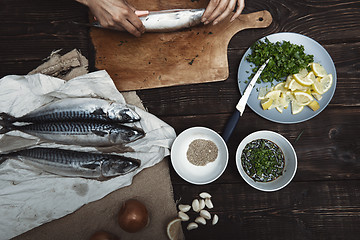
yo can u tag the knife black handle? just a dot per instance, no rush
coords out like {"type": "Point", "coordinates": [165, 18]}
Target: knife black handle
{"type": "Point", "coordinates": [230, 125]}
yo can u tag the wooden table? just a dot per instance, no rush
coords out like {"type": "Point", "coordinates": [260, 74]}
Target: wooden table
{"type": "Point", "coordinates": [322, 201]}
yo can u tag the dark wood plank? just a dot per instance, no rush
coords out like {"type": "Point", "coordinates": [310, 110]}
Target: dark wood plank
{"type": "Point", "coordinates": [322, 202]}
{"type": "Point", "coordinates": [302, 210]}
{"type": "Point", "coordinates": [324, 142]}
{"type": "Point", "coordinates": [30, 32]}
{"type": "Point", "coordinates": [223, 96]}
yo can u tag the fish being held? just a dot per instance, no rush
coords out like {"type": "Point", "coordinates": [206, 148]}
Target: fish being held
{"type": "Point", "coordinates": [168, 20]}
{"type": "Point", "coordinates": [172, 20]}
{"type": "Point", "coordinates": [80, 133]}
{"type": "Point", "coordinates": [77, 109]}
{"type": "Point", "coordinates": [74, 163]}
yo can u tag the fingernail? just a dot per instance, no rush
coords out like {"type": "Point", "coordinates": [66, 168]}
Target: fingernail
{"type": "Point", "coordinates": [215, 22]}
{"type": "Point", "coordinates": [203, 20]}
{"type": "Point", "coordinates": [207, 22]}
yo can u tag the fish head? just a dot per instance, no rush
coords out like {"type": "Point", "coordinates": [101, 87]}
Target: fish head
{"type": "Point", "coordinates": [112, 168]}
{"type": "Point", "coordinates": [122, 113]}
{"type": "Point", "coordinates": [127, 134]}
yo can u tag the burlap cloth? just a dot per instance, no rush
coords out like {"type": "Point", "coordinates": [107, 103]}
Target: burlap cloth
{"type": "Point", "coordinates": [152, 185]}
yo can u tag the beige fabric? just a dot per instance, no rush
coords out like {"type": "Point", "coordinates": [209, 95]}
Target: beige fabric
{"type": "Point", "coordinates": [152, 186]}
{"type": "Point", "coordinates": [66, 67]}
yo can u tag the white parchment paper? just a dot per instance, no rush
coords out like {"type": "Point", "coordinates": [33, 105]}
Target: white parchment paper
{"type": "Point", "coordinates": [30, 197]}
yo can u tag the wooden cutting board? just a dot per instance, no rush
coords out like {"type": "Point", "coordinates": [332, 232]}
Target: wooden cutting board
{"type": "Point", "coordinates": [196, 55]}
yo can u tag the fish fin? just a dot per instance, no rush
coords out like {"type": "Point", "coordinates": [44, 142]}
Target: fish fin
{"type": "Point", "coordinates": [99, 133]}
{"type": "Point", "coordinates": [6, 118]}
{"type": "Point", "coordinates": [99, 112]}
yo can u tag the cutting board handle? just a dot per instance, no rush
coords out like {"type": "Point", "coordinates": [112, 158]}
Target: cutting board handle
{"type": "Point", "coordinates": [260, 19]}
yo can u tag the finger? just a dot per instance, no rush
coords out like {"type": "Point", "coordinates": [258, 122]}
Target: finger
{"type": "Point", "coordinates": [141, 13]}
{"type": "Point", "coordinates": [209, 10]}
{"type": "Point", "coordinates": [240, 8]}
{"type": "Point", "coordinates": [225, 13]}
{"type": "Point", "coordinates": [129, 27]}
{"type": "Point", "coordinates": [136, 22]}
{"type": "Point", "coordinates": [219, 10]}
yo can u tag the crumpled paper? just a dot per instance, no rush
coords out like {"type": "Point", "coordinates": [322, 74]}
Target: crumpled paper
{"type": "Point", "coordinates": [30, 197]}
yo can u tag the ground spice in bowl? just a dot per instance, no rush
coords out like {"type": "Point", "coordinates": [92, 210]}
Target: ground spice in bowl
{"type": "Point", "coordinates": [202, 152]}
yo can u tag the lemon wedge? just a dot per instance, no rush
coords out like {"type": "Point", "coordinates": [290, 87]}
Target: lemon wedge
{"type": "Point", "coordinates": [304, 81]}
{"type": "Point", "coordinates": [280, 86]}
{"type": "Point", "coordinates": [314, 105]}
{"type": "Point", "coordinates": [316, 96]}
{"type": "Point", "coordinates": [318, 69]}
{"type": "Point", "coordinates": [322, 85]}
{"type": "Point", "coordinates": [266, 103]}
{"type": "Point", "coordinates": [294, 85]}
{"type": "Point", "coordinates": [281, 103]}
{"type": "Point", "coordinates": [302, 98]}
{"type": "Point", "coordinates": [275, 94]}
{"type": "Point", "coordinates": [296, 108]}
{"type": "Point", "coordinates": [303, 72]}
{"type": "Point", "coordinates": [173, 229]}
{"type": "Point", "coordinates": [288, 80]}
{"type": "Point", "coordinates": [262, 92]}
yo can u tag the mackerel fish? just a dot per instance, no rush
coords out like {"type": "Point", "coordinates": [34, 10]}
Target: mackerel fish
{"type": "Point", "coordinates": [165, 20]}
{"type": "Point", "coordinates": [95, 134]}
{"type": "Point", "coordinates": [74, 163]}
{"type": "Point", "coordinates": [172, 19]}
{"type": "Point", "coordinates": [77, 109]}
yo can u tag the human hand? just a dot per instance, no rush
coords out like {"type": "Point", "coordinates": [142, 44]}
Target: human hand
{"type": "Point", "coordinates": [116, 14]}
{"type": "Point", "coordinates": [217, 10]}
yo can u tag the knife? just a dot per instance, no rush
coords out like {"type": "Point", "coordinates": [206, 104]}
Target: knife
{"type": "Point", "coordinates": [240, 107]}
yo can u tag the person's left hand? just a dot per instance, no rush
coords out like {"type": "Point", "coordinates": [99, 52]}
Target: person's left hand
{"type": "Point", "coordinates": [217, 10]}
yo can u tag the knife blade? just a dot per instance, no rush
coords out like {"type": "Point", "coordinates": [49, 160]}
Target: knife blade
{"type": "Point", "coordinates": [240, 107]}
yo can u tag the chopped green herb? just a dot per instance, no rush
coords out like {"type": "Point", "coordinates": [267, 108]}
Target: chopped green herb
{"type": "Point", "coordinates": [263, 160]}
{"type": "Point", "coordinates": [285, 59]}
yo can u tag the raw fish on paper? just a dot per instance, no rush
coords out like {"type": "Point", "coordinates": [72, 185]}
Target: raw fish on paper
{"type": "Point", "coordinates": [20, 95]}
{"type": "Point", "coordinates": [80, 133]}
{"type": "Point", "coordinates": [78, 109]}
{"type": "Point", "coordinates": [75, 163]}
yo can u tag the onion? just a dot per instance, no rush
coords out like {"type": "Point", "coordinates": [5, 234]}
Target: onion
{"type": "Point", "coordinates": [133, 216]}
{"type": "Point", "coordinates": [102, 235]}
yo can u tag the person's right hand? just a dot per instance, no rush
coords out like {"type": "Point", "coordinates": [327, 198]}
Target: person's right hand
{"type": "Point", "coordinates": [116, 14]}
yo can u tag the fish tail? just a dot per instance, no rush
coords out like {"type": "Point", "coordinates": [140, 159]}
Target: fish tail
{"type": "Point", "coordinates": [6, 118]}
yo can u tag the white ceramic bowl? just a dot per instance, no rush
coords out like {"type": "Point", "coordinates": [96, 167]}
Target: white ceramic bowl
{"type": "Point", "coordinates": [290, 161]}
{"type": "Point", "coordinates": [198, 174]}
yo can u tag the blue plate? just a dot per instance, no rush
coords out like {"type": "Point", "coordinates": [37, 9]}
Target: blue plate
{"type": "Point", "coordinates": [320, 56]}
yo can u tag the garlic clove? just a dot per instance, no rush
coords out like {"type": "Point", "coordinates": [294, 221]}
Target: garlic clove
{"type": "Point", "coordinates": [196, 205]}
{"type": "Point", "coordinates": [184, 208]}
{"type": "Point", "coordinates": [215, 219]}
{"type": "Point", "coordinates": [183, 216]}
{"type": "Point", "coordinates": [192, 226]}
{"type": "Point", "coordinates": [205, 214]}
{"type": "Point", "coordinates": [202, 204]}
{"type": "Point", "coordinates": [209, 203]}
{"type": "Point", "coordinates": [205, 195]}
{"type": "Point", "coordinates": [200, 220]}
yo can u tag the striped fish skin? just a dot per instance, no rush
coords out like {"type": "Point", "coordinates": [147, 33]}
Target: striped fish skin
{"type": "Point", "coordinates": [74, 163]}
{"type": "Point", "coordinates": [80, 133]}
{"type": "Point", "coordinates": [78, 109]}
